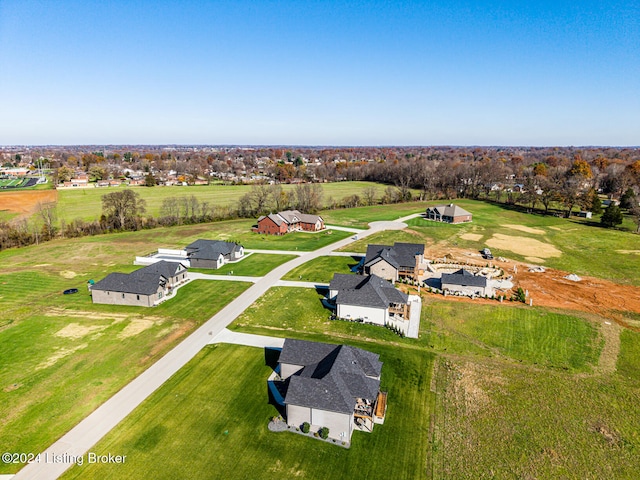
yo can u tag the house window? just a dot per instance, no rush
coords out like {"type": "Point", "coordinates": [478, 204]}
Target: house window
{"type": "Point", "coordinates": [123, 295]}
{"type": "Point", "coordinates": [137, 297]}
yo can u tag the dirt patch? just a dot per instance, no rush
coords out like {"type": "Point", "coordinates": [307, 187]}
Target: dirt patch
{"type": "Point", "coordinates": [474, 237]}
{"type": "Point", "coordinates": [629, 252]}
{"type": "Point", "coordinates": [60, 353]}
{"type": "Point", "coordinates": [169, 339]}
{"type": "Point", "coordinates": [68, 274]}
{"type": "Point", "coordinates": [525, 229]}
{"type": "Point", "coordinates": [12, 387]}
{"type": "Point", "coordinates": [135, 327]}
{"type": "Point", "coordinates": [26, 202]}
{"type": "Point", "coordinates": [75, 330]}
{"type": "Point", "coordinates": [524, 246]}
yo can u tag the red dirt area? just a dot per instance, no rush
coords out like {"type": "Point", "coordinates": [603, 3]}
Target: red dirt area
{"type": "Point", "coordinates": [551, 289]}
{"type": "Point", "coordinates": [25, 202]}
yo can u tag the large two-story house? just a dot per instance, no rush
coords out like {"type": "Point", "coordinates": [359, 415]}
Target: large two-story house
{"type": "Point", "coordinates": [394, 262]}
{"type": "Point", "coordinates": [333, 386]}
{"type": "Point", "coordinates": [288, 221]}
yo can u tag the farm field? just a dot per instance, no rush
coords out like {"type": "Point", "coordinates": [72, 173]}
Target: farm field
{"type": "Point", "coordinates": [86, 203]}
{"type": "Point", "coordinates": [322, 269]}
{"type": "Point", "coordinates": [190, 413]}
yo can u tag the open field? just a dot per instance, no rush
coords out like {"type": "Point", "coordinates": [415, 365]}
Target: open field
{"type": "Point", "coordinates": [25, 202]}
{"type": "Point", "coordinates": [359, 217]}
{"type": "Point", "coordinates": [495, 420]}
{"type": "Point", "coordinates": [191, 413]}
{"type": "Point", "coordinates": [321, 269]}
{"type": "Point", "coordinates": [86, 203]}
{"type": "Point", "coordinates": [254, 265]}
{"type": "Point", "coordinates": [61, 356]}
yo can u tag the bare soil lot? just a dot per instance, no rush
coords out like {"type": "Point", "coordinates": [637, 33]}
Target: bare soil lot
{"type": "Point", "coordinates": [25, 202]}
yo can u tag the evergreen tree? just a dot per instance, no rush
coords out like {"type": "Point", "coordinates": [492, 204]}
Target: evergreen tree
{"type": "Point", "coordinates": [612, 216]}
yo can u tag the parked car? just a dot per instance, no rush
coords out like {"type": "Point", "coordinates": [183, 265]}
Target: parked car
{"type": "Point", "coordinates": [486, 253]}
{"type": "Point", "coordinates": [69, 291]}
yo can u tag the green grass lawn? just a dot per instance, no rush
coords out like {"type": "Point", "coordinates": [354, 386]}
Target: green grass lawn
{"type": "Point", "coordinates": [61, 356]}
{"type": "Point", "coordinates": [629, 357]}
{"type": "Point", "coordinates": [535, 336]}
{"type": "Point", "coordinates": [359, 217]}
{"type": "Point", "coordinates": [321, 269]}
{"type": "Point", "coordinates": [86, 203]}
{"type": "Point", "coordinates": [254, 265]}
{"type": "Point", "coordinates": [224, 390]}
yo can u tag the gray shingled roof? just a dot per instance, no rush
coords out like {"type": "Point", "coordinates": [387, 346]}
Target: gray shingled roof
{"type": "Point", "coordinates": [291, 216]}
{"type": "Point", "coordinates": [464, 278]}
{"type": "Point", "coordinates": [398, 255]}
{"type": "Point", "coordinates": [333, 375]}
{"type": "Point", "coordinates": [450, 210]}
{"type": "Point", "coordinates": [210, 249]}
{"type": "Point", "coordinates": [365, 291]}
{"type": "Point", "coordinates": [144, 281]}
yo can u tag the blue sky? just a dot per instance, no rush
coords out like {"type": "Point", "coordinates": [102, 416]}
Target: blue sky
{"type": "Point", "coordinates": [320, 72]}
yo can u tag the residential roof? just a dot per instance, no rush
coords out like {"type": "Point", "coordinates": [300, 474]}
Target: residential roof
{"type": "Point", "coordinates": [365, 291]}
{"type": "Point", "coordinates": [144, 281]}
{"type": "Point", "coordinates": [449, 210]}
{"type": "Point", "coordinates": [464, 278]}
{"type": "Point", "coordinates": [333, 376]}
{"type": "Point", "coordinates": [291, 216]}
{"type": "Point", "coordinates": [398, 255]}
{"type": "Point", "coordinates": [211, 249]}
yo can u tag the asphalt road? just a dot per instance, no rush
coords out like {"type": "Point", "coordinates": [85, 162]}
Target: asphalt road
{"type": "Point", "coordinates": [81, 438]}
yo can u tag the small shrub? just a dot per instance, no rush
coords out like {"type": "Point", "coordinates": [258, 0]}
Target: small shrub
{"type": "Point", "coordinates": [315, 434]}
{"type": "Point", "coordinates": [324, 432]}
{"type": "Point", "coordinates": [306, 427]}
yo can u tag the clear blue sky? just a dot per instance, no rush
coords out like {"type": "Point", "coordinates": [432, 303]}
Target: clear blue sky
{"type": "Point", "coordinates": [320, 72]}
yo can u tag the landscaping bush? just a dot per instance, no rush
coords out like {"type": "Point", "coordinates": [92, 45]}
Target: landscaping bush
{"type": "Point", "coordinates": [324, 432]}
{"type": "Point", "coordinates": [306, 427]}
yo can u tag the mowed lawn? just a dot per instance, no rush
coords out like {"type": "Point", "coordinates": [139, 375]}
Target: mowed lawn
{"type": "Point", "coordinates": [62, 356]}
{"type": "Point", "coordinates": [210, 421]}
{"type": "Point", "coordinates": [86, 203]}
{"type": "Point", "coordinates": [359, 217]}
{"type": "Point", "coordinates": [321, 269]}
{"type": "Point", "coordinates": [253, 265]}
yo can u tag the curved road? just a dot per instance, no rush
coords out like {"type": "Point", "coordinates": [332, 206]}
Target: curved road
{"type": "Point", "coordinates": [89, 431]}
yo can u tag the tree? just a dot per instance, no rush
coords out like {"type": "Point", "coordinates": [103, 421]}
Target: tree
{"type": "Point", "coordinates": [593, 202]}
{"type": "Point", "coordinates": [308, 197]}
{"type": "Point", "coordinates": [122, 207]}
{"type": "Point", "coordinates": [65, 174]}
{"type": "Point", "coordinates": [370, 194]}
{"type": "Point", "coordinates": [628, 199]}
{"type": "Point", "coordinates": [612, 216]}
{"type": "Point", "coordinates": [635, 212]}
{"type": "Point", "coordinates": [150, 180]}
{"type": "Point", "coordinates": [48, 214]}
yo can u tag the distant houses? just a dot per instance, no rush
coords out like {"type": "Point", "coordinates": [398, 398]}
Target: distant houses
{"type": "Point", "coordinates": [288, 221]}
{"type": "Point", "coordinates": [332, 386]}
{"type": "Point", "coordinates": [402, 260]}
{"type": "Point", "coordinates": [448, 213]}
{"type": "Point", "coordinates": [145, 287]}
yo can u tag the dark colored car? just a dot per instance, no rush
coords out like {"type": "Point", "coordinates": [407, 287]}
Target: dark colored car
{"type": "Point", "coordinates": [70, 291]}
